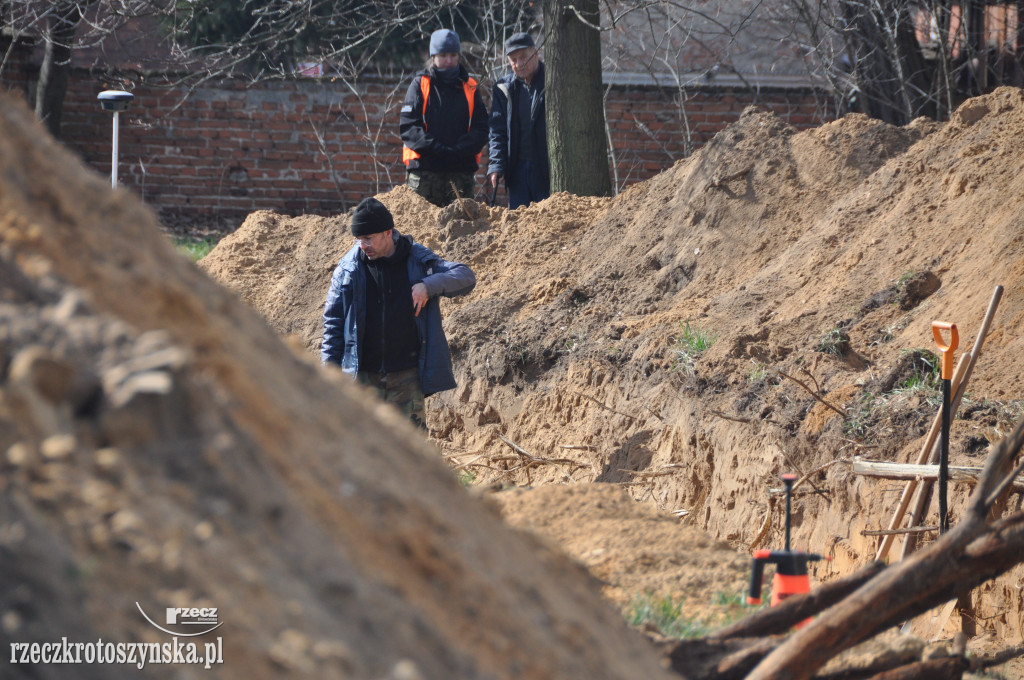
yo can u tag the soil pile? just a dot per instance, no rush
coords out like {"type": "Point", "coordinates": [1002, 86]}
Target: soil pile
{"type": "Point", "coordinates": [642, 340]}
{"type": "Point", "coordinates": [163, 448]}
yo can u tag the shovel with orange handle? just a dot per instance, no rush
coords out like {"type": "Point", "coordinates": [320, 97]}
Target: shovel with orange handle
{"type": "Point", "coordinates": [947, 350]}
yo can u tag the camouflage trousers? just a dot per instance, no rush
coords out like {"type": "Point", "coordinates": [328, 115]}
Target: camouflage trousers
{"type": "Point", "coordinates": [436, 186]}
{"type": "Point", "coordinates": [402, 390]}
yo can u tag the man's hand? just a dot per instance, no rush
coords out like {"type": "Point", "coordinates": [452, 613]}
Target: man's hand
{"type": "Point", "coordinates": [419, 297]}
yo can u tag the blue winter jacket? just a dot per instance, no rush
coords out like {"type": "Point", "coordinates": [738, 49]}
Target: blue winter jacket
{"type": "Point", "coordinates": [345, 312]}
{"type": "Point", "coordinates": [503, 145]}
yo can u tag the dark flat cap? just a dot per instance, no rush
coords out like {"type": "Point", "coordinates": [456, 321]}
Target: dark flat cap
{"type": "Point", "coordinates": [518, 41]}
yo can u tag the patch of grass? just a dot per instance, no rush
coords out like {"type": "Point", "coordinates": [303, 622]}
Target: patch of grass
{"type": "Point", "coordinates": [691, 341]}
{"type": "Point", "coordinates": [834, 342]}
{"type": "Point", "coordinates": [194, 248]}
{"type": "Point", "coordinates": [724, 599]}
{"type": "Point", "coordinates": [466, 477]}
{"type": "Point", "coordinates": [926, 372]}
{"type": "Point", "coordinates": [921, 382]}
{"type": "Point", "coordinates": [613, 352]}
{"type": "Point", "coordinates": [857, 424]}
{"type": "Point", "coordinates": [516, 351]}
{"type": "Point", "coordinates": [662, 613]}
{"type": "Point", "coordinates": [904, 277]}
{"type": "Point", "coordinates": [758, 372]}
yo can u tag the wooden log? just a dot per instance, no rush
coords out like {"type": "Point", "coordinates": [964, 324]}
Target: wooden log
{"type": "Point", "coordinates": [732, 659]}
{"type": "Point", "coordinates": [945, 668]}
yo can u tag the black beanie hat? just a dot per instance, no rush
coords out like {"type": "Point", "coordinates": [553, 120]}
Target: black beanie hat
{"type": "Point", "coordinates": [371, 217]}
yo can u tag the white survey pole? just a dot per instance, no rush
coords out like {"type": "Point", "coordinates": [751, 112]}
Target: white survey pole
{"type": "Point", "coordinates": [115, 101]}
{"type": "Point", "coordinates": [113, 153]}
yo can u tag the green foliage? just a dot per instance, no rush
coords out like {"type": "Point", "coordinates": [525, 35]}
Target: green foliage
{"type": "Point", "coordinates": [194, 248]}
{"type": "Point", "coordinates": [665, 615]}
{"type": "Point", "coordinates": [465, 477]}
{"type": "Point", "coordinates": [926, 373]}
{"type": "Point", "coordinates": [216, 22]}
{"type": "Point", "coordinates": [922, 382]}
{"type": "Point", "coordinates": [758, 372]}
{"type": "Point", "coordinates": [857, 424]}
{"type": "Point", "coordinates": [688, 345]}
{"type": "Point", "coordinates": [729, 600]}
{"type": "Point", "coordinates": [834, 342]}
{"type": "Point", "coordinates": [274, 35]}
{"type": "Point", "coordinates": [661, 612]}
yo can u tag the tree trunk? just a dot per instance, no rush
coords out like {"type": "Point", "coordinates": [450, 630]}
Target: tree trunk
{"type": "Point", "coordinates": [577, 145]}
{"type": "Point", "coordinates": [53, 74]}
{"type": "Point", "coordinates": [976, 52]}
{"type": "Point", "coordinates": [1018, 54]}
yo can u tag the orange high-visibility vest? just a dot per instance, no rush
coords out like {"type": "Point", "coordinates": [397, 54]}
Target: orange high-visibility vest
{"type": "Point", "coordinates": [469, 87]}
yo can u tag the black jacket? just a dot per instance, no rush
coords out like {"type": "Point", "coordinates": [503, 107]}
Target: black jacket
{"type": "Point", "coordinates": [390, 339]}
{"type": "Point", "coordinates": [445, 138]}
{"type": "Point", "coordinates": [504, 127]}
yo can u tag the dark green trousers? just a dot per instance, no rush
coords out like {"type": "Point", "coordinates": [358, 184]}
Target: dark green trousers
{"type": "Point", "coordinates": [436, 186]}
{"type": "Point", "coordinates": [400, 389]}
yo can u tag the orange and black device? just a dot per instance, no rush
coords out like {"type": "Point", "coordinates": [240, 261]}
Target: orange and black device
{"type": "Point", "coordinates": [790, 565]}
{"type": "Point", "coordinates": [790, 574]}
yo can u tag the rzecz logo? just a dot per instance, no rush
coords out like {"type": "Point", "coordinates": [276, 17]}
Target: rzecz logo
{"type": "Point", "coordinates": [206, 617]}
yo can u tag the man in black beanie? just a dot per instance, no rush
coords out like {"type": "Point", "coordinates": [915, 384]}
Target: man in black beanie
{"type": "Point", "coordinates": [382, 320]}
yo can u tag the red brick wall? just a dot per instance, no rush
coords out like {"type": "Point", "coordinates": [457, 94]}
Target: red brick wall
{"type": "Point", "coordinates": [310, 147]}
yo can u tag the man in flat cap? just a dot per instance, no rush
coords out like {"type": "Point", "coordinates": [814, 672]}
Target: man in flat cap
{"type": "Point", "coordinates": [518, 131]}
{"type": "Point", "coordinates": [382, 319]}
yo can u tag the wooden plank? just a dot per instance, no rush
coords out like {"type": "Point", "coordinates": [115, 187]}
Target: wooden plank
{"type": "Point", "coordinates": [910, 471]}
{"type": "Point", "coordinates": [886, 470]}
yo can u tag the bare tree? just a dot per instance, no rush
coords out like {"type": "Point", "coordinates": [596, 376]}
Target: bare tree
{"type": "Point", "coordinates": [899, 59]}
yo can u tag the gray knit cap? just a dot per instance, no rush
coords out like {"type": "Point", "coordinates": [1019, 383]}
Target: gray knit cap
{"type": "Point", "coordinates": [444, 41]}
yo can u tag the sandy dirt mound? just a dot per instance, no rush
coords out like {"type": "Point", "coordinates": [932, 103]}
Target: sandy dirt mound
{"type": "Point", "coordinates": [824, 254]}
{"type": "Point", "coordinates": [162, 446]}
